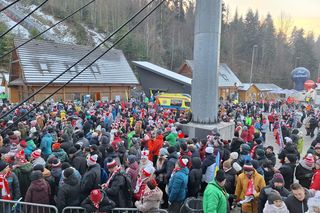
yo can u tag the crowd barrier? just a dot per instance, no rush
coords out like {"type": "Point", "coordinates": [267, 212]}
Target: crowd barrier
{"type": "Point", "coordinates": [9, 206]}
{"type": "Point", "coordinates": [73, 209]}
{"type": "Point", "coordinates": [192, 205]}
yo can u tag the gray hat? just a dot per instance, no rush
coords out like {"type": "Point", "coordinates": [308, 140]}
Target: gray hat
{"type": "Point", "coordinates": [164, 151]}
{"type": "Point", "coordinates": [131, 159]}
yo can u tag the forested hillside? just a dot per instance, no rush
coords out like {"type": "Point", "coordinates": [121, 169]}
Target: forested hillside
{"type": "Point", "coordinates": [166, 38]}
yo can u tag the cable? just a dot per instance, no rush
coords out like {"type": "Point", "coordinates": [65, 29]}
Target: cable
{"type": "Point", "coordinates": [9, 5]}
{"type": "Point", "coordinates": [81, 59]}
{"type": "Point", "coordinates": [36, 36]}
{"type": "Point", "coordinates": [29, 14]}
{"type": "Point", "coordinates": [57, 90]}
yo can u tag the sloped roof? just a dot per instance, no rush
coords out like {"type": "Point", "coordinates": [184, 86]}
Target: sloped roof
{"type": "Point", "coordinates": [267, 87]}
{"type": "Point", "coordinates": [41, 61]}
{"type": "Point", "coordinates": [163, 72]}
{"type": "Point", "coordinates": [227, 78]}
{"type": "Point", "coordinates": [261, 87]}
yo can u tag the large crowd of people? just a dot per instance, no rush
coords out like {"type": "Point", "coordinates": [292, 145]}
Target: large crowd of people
{"type": "Point", "coordinates": [104, 155]}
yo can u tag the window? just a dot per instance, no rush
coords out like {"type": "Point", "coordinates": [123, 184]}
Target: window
{"type": "Point", "coordinates": [44, 67]}
{"type": "Point", "coordinates": [95, 69]}
{"type": "Point", "coordinates": [176, 103]}
{"type": "Point", "coordinates": [72, 69]}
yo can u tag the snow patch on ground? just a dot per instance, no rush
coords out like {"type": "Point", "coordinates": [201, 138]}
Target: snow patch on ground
{"type": "Point", "coordinates": [18, 30]}
{"type": "Point", "coordinates": [96, 37]}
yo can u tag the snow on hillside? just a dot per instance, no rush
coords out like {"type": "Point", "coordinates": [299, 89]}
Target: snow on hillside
{"type": "Point", "coordinates": [61, 30]}
{"type": "Point", "coordinates": [96, 37]}
{"type": "Point", "coordinates": [18, 30]}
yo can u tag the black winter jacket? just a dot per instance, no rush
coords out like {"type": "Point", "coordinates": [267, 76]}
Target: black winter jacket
{"type": "Point", "coordinates": [90, 180]}
{"type": "Point", "coordinates": [195, 177]}
{"type": "Point", "coordinates": [296, 206]}
{"type": "Point", "coordinates": [304, 174]}
{"type": "Point", "coordinates": [287, 171]}
{"type": "Point", "coordinates": [79, 162]}
{"type": "Point", "coordinates": [104, 206]}
{"type": "Point", "coordinates": [68, 195]}
{"type": "Point", "coordinates": [263, 198]}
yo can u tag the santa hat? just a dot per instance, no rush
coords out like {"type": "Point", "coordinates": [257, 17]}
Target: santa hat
{"type": "Point", "coordinates": [148, 171]}
{"type": "Point", "coordinates": [56, 146]}
{"type": "Point", "coordinates": [92, 160]}
{"type": "Point", "coordinates": [144, 154]}
{"type": "Point", "coordinates": [309, 160]}
{"type": "Point", "coordinates": [183, 162]}
{"type": "Point", "coordinates": [20, 155]}
{"type": "Point", "coordinates": [96, 197]}
{"type": "Point", "coordinates": [111, 164]}
{"type": "Point", "coordinates": [23, 144]}
{"type": "Point", "coordinates": [36, 154]}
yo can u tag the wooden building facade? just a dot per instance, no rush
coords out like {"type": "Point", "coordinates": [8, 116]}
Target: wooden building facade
{"type": "Point", "coordinates": [36, 63]}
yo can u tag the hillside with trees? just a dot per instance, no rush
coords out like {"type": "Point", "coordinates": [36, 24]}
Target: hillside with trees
{"type": "Point", "coordinates": [166, 38]}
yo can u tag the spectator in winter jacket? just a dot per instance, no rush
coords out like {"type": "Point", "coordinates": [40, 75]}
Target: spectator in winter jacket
{"type": "Point", "coordinates": [289, 148]}
{"type": "Point", "coordinates": [287, 169]}
{"type": "Point", "coordinates": [37, 159]}
{"type": "Point", "coordinates": [116, 186]}
{"type": "Point", "coordinates": [178, 185]}
{"type": "Point", "coordinates": [133, 170]}
{"type": "Point", "coordinates": [314, 203]}
{"type": "Point", "coordinates": [172, 137]}
{"type": "Point", "coordinates": [23, 170]}
{"type": "Point", "coordinates": [171, 162]}
{"type": "Point", "coordinates": [45, 146]}
{"type": "Point", "coordinates": [144, 162]}
{"type": "Point", "coordinates": [277, 184]}
{"type": "Point", "coordinates": [66, 144]}
{"type": "Point", "coordinates": [215, 197]}
{"type": "Point", "coordinates": [151, 197]}
{"type": "Point", "coordinates": [39, 190]}
{"type": "Point", "coordinates": [315, 182]}
{"type": "Point", "coordinates": [249, 185]}
{"type": "Point", "coordinates": [58, 153]}
{"type": "Point", "coordinates": [195, 176]}
{"type": "Point", "coordinates": [271, 155]}
{"type": "Point", "coordinates": [97, 201]}
{"type": "Point", "coordinates": [82, 141]}
{"type": "Point", "coordinates": [91, 178]}
{"type": "Point", "coordinates": [161, 172]}
{"type": "Point", "coordinates": [65, 166]}
{"type": "Point", "coordinates": [231, 177]}
{"type": "Point", "coordinates": [208, 167]}
{"type": "Point", "coordinates": [77, 160]}
{"type": "Point", "coordinates": [304, 171]}
{"type": "Point", "coordinates": [144, 176]}
{"type": "Point", "coordinates": [261, 157]}
{"type": "Point", "coordinates": [12, 190]}
{"type": "Point", "coordinates": [30, 147]}
{"type": "Point", "coordinates": [68, 195]}
{"type": "Point", "coordinates": [236, 143]}
{"type": "Point", "coordinates": [298, 200]}
{"type": "Point", "coordinates": [244, 154]}
{"type": "Point", "coordinates": [154, 146]}
{"type": "Point", "coordinates": [275, 204]}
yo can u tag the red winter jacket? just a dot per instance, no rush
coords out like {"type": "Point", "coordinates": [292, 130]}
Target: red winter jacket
{"type": "Point", "coordinates": [315, 183]}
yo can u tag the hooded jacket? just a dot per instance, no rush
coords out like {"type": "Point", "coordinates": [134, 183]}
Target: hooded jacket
{"type": "Point", "coordinates": [79, 162]}
{"type": "Point", "coordinates": [38, 192]}
{"type": "Point", "coordinates": [287, 171]}
{"type": "Point", "coordinates": [60, 154]}
{"type": "Point", "coordinates": [304, 174]}
{"type": "Point", "coordinates": [273, 209]}
{"type": "Point", "coordinates": [150, 200]}
{"type": "Point", "coordinates": [46, 143]}
{"type": "Point", "coordinates": [172, 159]}
{"type": "Point", "coordinates": [68, 195]}
{"type": "Point", "coordinates": [90, 179]}
{"type": "Point", "coordinates": [104, 206]}
{"type": "Point", "coordinates": [214, 199]}
{"type": "Point", "coordinates": [178, 185]}
{"type": "Point", "coordinates": [195, 177]}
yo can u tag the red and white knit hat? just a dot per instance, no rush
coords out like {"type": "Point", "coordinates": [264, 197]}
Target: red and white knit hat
{"type": "Point", "coordinates": [92, 160]}
{"type": "Point", "coordinates": [148, 171]}
{"type": "Point", "coordinates": [111, 164]}
{"type": "Point", "coordinates": [183, 162]}
{"type": "Point", "coordinates": [36, 153]}
{"type": "Point", "coordinates": [144, 154]}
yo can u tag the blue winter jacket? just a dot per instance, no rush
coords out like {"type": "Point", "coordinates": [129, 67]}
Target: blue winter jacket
{"type": "Point", "coordinates": [46, 143]}
{"type": "Point", "coordinates": [178, 185]}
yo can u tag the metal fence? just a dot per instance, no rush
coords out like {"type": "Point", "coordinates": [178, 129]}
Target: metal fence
{"type": "Point", "coordinates": [9, 206]}
{"type": "Point", "coordinates": [72, 209]}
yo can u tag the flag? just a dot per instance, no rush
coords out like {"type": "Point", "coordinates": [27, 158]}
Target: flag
{"type": "Point", "coordinates": [217, 164]}
{"type": "Point", "coordinates": [281, 144]}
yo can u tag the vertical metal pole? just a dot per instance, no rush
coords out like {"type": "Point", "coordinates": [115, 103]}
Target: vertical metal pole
{"type": "Point", "coordinates": [252, 61]}
{"type": "Point", "coordinates": [206, 61]}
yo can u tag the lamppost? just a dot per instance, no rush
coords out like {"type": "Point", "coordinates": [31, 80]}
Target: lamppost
{"type": "Point", "coordinates": [253, 54]}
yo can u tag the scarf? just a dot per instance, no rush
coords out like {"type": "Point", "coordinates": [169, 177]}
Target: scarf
{"type": "Point", "coordinates": [106, 185]}
{"type": "Point", "coordinates": [250, 188]}
{"type": "Point", "coordinates": [4, 187]}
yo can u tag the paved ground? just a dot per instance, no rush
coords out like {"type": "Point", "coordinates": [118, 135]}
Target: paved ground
{"type": "Point", "coordinates": [271, 141]}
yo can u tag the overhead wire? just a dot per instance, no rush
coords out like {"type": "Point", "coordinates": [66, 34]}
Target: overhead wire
{"type": "Point", "coordinates": [65, 84]}
{"type": "Point", "coordinates": [76, 63]}
{"type": "Point", "coordinates": [43, 32]}
{"type": "Point", "coordinates": [9, 5]}
{"type": "Point", "coordinates": [24, 18]}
